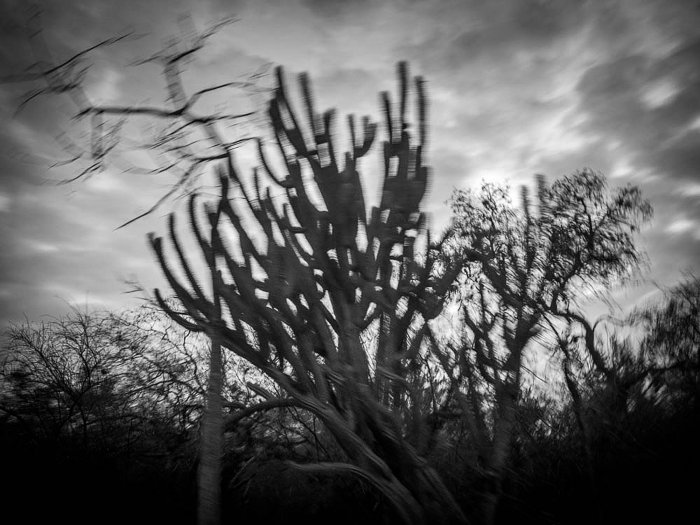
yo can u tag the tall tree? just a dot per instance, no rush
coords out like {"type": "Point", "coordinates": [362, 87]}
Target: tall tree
{"type": "Point", "coordinates": [212, 440]}
{"type": "Point", "coordinates": [330, 303]}
{"type": "Point", "coordinates": [524, 271]}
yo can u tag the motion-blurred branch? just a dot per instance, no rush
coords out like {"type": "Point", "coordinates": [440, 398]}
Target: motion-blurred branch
{"type": "Point", "coordinates": [183, 140]}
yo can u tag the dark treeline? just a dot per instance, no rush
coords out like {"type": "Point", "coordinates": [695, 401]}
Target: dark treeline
{"type": "Point", "coordinates": [336, 362]}
{"type": "Point", "coordinates": [100, 421]}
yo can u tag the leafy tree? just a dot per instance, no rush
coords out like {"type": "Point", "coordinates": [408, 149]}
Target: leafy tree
{"type": "Point", "coordinates": [523, 273]}
{"type": "Point", "coordinates": [330, 303]}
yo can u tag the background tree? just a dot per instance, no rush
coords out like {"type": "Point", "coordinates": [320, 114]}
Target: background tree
{"type": "Point", "coordinates": [178, 138]}
{"type": "Point", "coordinates": [301, 285]}
{"type": "Point", "coordinates": [65, 374]}
{"type": "Point", "coordinates": [523, 272]}
{"type": "Point", "coordinates": [671, 341]}
{"type": "Point", "coordinates": [100, 406]}
{"type": "Point", "coordinates": [105, 408]}
{"type": "Point", "coordinates": [636, 417]}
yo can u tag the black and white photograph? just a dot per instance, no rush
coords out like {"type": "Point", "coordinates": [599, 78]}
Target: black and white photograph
{"type": "Point", "coordinates": [413, 262]}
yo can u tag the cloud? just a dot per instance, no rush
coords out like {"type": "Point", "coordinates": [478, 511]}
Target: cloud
{"type": "Point", "coordinates": [515, 88]}
{"type": "Point", "coordinates": [680, 226]}
{"type": "Point", "coordinates": [615, 98]}
{"type": "Point", "coordinates": [59, 248]}
{"type": "Point", "coordinates": [691, 189]}
{"type": "Point", "coordinates": [645, 104]}
{"type": "Point", "coordinates": [334, 9]}
{"type": "Point", "coordinates": [5, 203]}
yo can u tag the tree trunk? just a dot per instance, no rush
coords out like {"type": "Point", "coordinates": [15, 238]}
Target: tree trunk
{"type": "Point", "coordinates": [500, 451]}
{"type": "Point", "coordinates": [211, 448]}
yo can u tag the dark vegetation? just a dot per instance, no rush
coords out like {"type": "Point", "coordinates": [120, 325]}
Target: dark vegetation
{"type": "Point", "coordinates": [336, 362]}
{"type": "Point", "coordinates": [100, 418]}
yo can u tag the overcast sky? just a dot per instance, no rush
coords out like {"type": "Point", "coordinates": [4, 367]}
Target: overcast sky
{"type": "Point", "coordinates": [515, 87]}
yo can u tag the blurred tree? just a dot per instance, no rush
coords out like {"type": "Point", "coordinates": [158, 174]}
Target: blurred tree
{"type": "Point", "coordinates": [637, 414]}
{"type": "Point", "coordinates": [63, 375]}
{"type": "Point", "coordinates": [634, 382]}
{"type": "Point", "coordinates": [98, 374]}
{"type": "Point", "coordinates": [524, 271]}
{"type": "Point", "coordinates": [96, 407]}
{"type": "Point", "coordinates": [330, 304]}
{"type": "Point", "coordinates": [670, 344]}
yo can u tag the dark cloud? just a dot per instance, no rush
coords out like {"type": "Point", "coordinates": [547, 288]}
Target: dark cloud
{"type": "Point", "coordinates": [642, 100]}
{"type": "Point", "coordinates": [647, 105]}
{"type": "Point", "coordinates": [496, 35]}
{"type": "Point", "coordinates": [335, 8]}
{"type": "Point", "coordinates": [679, 160]}
{"type": "Point", "coordinates": [542, 20]}
{"type": "Point", "coordinates": [496, 29]}
{"type": "Point", "coordinates": [633, 70]}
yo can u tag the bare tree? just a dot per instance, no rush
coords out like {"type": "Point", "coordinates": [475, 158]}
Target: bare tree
{"type": "Point", "coordinates": [62, 376]}
{"type": "Point", "coordinates": [188, 133]}
{"type": "Point", "coordinates": [297, 288]}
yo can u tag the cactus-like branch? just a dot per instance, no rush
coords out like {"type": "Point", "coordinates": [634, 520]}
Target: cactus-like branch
{"type": "Point", "coordinates": [328, 277]}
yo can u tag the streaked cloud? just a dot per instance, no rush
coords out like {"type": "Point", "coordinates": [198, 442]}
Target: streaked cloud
{"type": "Point", "coordinates": [516, 87]}
{"type": "Point", "coordinates": [680, 226]}
{"type": "Point", "coordinates": [5, 203]}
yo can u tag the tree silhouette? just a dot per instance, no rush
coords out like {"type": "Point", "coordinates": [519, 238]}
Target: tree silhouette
{"type": "Point", "coordinates": [89, 375]}
{"type": "Point", "coordinates": [330, 303]}
{"type": "Point", "coordinates": [524, 271]}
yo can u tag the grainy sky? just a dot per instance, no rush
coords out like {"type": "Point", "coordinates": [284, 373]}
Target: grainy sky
{"type": "Point", "coordinates": [516, 87]}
